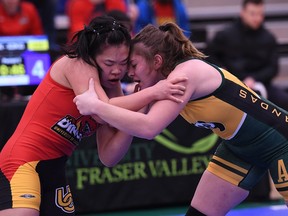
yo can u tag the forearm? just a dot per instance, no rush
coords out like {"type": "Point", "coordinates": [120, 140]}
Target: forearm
{"type": "Point", "coordinates": [133, 123]}
{"type": "Point", "coordinates": [112, 145]}
{"type": "Point", "coordinates": [134, 101]}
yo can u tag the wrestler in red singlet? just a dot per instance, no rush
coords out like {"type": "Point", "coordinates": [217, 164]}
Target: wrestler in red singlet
{"type": "Point", "coordinates": [48, 132]}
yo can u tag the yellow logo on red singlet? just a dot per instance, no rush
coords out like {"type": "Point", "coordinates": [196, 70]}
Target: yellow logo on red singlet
{"type": "Point", "coordinates": [64, 199]}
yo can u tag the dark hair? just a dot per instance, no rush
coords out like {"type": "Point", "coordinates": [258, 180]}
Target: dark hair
{"type": "Point", "coordinates": [169, 41]}
{"type": "Point", "coordinates": [121, 17]}
{"type": "Point", "coordinates": [90, 41]}
{"type": "Point", "coordinates": [257, 2]}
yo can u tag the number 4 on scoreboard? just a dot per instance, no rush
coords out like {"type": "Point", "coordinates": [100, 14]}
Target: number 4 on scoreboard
{"type": "Point", "coordinates": [38, 69]}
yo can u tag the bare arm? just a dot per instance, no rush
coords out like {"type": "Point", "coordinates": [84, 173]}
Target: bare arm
{"type": "Point", "coordinates": [137, 124]}
{"type": "Point", "coordinates": [164, 89]}
{"type": "Point", "coordinates": [78, 74]}
{"type": "Point", "coordinates": [112, 144]}
{"type": "Point", "coordinates": [202, 81]}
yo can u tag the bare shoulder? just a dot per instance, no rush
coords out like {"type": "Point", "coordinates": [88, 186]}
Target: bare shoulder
{"type": "Point", "coordinates": [196, 68]}
{"type": "Point", "coordinates": [193, 67]}
{"type": "Point", "coordinates": [199, 72]}
{"type": "Point", "coordinates": [73, 73]}
{"type": "Point", "coordinates": [62, 65]}
{"type": "Point", "coordinates": [72, 64]}
{"type": "Point", "coordinates": [193, 64]}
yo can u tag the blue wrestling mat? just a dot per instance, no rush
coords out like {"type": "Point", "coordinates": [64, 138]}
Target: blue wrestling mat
{"type": "Point", "coordinates": [242, 210]}
{"type": "Point", "coordinates": [274, 210]}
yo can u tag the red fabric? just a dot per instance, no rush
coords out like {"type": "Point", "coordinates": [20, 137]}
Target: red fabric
{"type": "Point", "coordinates": [51, 127]}
{"type": "Point", "coordinates": [80, 12]}
{"type": "Point", "coordinates": [26, 22]}
{"type": "Point", "coordinates": [164, 13]}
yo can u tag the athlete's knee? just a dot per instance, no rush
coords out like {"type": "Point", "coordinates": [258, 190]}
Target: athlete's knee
{"type": "Point", "coordinates": [284, 195]}
{"type": "Point", "coordinates": [193, 212]}
{"type": "Point", "coordinates": [19, 211]}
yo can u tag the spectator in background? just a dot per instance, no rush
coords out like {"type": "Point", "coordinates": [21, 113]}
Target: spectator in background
{"type": "Point", "coordinates": [80, 12]}
{"type": "Point", "coordinates": [249, 50]}
{"type": "Point", "coordinates": [157, 12]}
{"type": "Point", "coordinates": [19, 18]}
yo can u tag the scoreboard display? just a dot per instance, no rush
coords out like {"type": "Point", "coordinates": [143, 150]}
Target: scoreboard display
{"type": "Point", "coordinates": [24, 60]}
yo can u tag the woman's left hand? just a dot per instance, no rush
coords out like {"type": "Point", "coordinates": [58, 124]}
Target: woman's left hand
{"type": "Point", "coordinates": [170, 89]}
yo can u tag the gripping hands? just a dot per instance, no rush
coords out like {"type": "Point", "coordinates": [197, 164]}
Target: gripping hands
{"type": "Point", "coordinates": [163, 90]}
{"type": "Point", "coordinates": [86, 102]}
{"type": "Point", "coordinates": [170, 89]}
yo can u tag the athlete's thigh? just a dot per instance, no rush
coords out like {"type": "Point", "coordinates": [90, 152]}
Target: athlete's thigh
{"type": "Point", "coordinates": [279, 173]}
{"type": "Point", "coordinates": [19, 186]}
{"type": "Point", "coordinates": [216, 196]}
{"type": "Point", "coordinates": [19, 212]}
{"type": "Point", "coordinates": [225, 183]}
{"type": "Point", "coordinates": [228, 165]}
{"type": "Point", "coordinates": [56, 197]}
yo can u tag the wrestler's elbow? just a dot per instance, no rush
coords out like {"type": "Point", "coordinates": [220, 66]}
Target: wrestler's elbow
{"type": "Point", "coordinates": [150, 132]}
{"type": "Point", "coordinates": [108, 161]}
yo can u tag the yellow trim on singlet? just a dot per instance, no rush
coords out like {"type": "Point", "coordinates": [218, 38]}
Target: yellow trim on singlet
{"type": "Point", "coordinates": [229, 164]}
{"type": "Point", "coordinates": [25, 187]}
{"type": "Point", "coordinates": [281, 185]}
{"type": "Point", "coordinates": [225, 174]}
{"type": "Point", "coordinates": [213, 111]}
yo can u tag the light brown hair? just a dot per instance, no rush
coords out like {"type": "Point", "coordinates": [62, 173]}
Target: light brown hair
{"type": "Point", "coordinates": [169, 41]}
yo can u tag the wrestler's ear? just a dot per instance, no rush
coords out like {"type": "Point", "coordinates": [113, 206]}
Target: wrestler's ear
{"type": "Point", "coordinates": [158, 61]}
